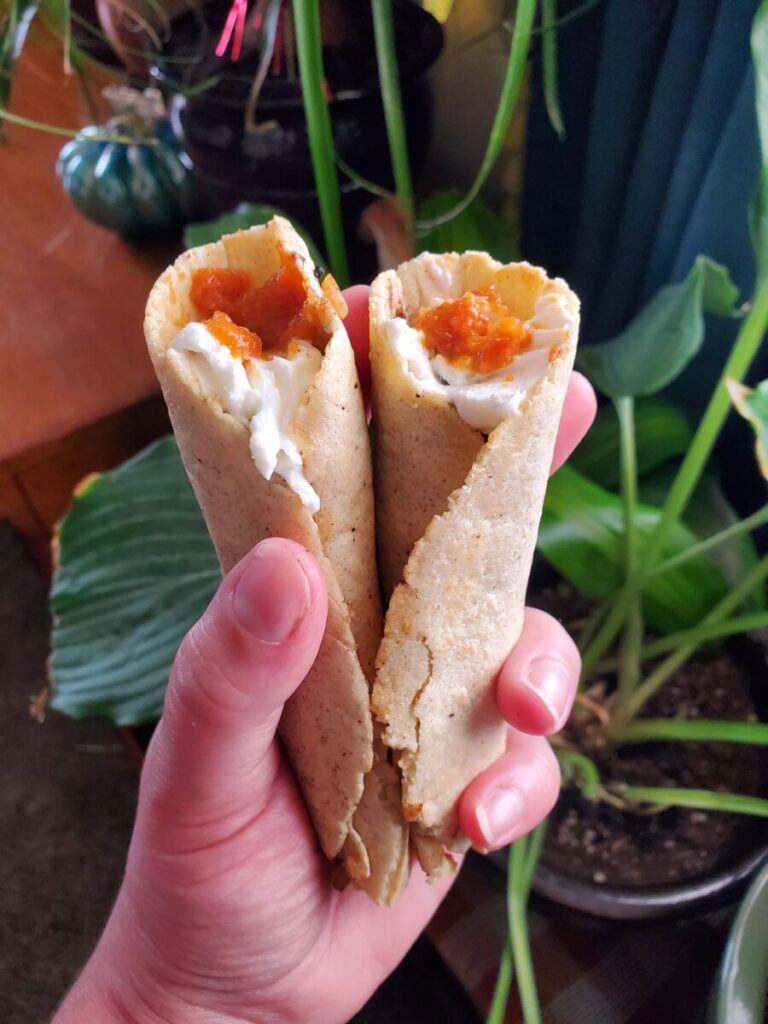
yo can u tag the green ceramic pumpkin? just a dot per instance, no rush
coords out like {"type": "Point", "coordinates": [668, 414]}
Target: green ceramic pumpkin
{"type": "Point", "coordinates": [139, 188]}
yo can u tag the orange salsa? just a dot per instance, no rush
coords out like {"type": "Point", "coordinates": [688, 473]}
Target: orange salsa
{"type": "Point", "coordinates": [476, 331]}
{"type": "Point", "coordinates": [253, 321]}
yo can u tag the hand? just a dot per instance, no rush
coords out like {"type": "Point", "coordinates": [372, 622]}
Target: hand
{"type": "Point", "coordinates": [227, 912]}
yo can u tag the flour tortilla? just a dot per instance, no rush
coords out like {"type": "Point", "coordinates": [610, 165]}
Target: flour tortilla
{"type": "Point", "coordinates": [326, 727]}
{"type": "Point", "coordinates": [457, 518]}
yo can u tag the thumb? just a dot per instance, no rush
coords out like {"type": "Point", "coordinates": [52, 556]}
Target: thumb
{"type": "Point", "coordinates": [212, 757]}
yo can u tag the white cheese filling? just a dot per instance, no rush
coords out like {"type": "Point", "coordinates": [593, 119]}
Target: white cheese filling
{"type": "Point", "coordinates": [263, 394]}
{"type": "Point", "coordinates": [483, 400]}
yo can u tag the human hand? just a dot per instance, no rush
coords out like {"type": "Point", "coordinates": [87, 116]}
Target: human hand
{"type": "Point", "coordinates": [227, 912]}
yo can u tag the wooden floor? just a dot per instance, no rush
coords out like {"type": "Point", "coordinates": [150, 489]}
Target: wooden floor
{"type": "Point", "coordinates": [72, 353]}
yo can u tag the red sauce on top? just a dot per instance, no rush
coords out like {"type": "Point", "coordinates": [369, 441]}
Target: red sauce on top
{"type": "Point", "coordinates": [256, 321]}
{"type": "Point", "coordinates": [476, 331]}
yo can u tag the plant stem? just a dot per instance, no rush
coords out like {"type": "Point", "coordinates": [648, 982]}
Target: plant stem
{"type": "Point", "coordinates": [309, 49]}
{"type": "Point", "coordinates": [697, 730]}
{"type": "Point", "coordinates": [752, 522]}
{"type": "Point", "coordinates": [700, 799]}
{"type": "Point", "coordinates": [706, 631]}
{"type": "Point", "coordinates": [498, 1008]}
{"type": "Point", "coordinates": [579, 769]}
{"type": "Point", "coordinates": [744, 350]}
{"type": "Point", "coordinates": [69, 133]}
{"type": "Point", "coordinates": [549, 65]}
{"type": "Point", "coordinates": [631, 641]}
{"type": "Point", "coordinates": [517, 914]}
{"type": "Point", "coordinates": [670, 665]}
{"type": "Point", "coordinates": [386, 57]}
{"type": "Point", "coordinates": [745, 347]}
{"type": "Point", "coordinates": [510, 92]}
{"type": "Point", "coordinates": [535, 842]}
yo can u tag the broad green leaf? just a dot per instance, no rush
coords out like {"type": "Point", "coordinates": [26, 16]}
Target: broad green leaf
{"type": "Point", "coordinates": [476, 227]}
{"type": "Point", "coordinates": [758, 223]}
{"type": "Point", "coordinates": [752, 404]}
{"type": "Point", "coordinates": [581, 535]}
{"type": "Point", "coordinates": [245, 215]}
{"type": "Point", "coordinates": [136, 569]}
{"type": "Point", "coordinates": [664, 336]}
{"type": "Point", "coordinates": [662, 431]}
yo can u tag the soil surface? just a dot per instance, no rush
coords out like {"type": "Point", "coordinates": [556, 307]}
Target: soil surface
{"type": "Point", "coordinates": [597, 842]}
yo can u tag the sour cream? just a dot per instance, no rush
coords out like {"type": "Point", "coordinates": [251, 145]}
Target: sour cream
{"type": "Point", "coordinates": [483, 400]}
{"type": "Point", "coordinates": [262, 394]}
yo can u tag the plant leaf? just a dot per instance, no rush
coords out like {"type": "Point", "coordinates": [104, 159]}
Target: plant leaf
{"type": "Point", "coordinates": [752, 404]}
{"type": "Point", "coordinates": [136, 569]}
{"type": "Point", "coordinates": [759, 45]}
{"type": "Point", "coordinates": [245, 215]}
{"type": "Point", "coordinates": [476, 227]}
{"type": "Point", "coordinates": [16, 17]}
{"type": "Point", "coordinates": [758, 223]}
{"type": "Point", "coordinates": [662, 431]}
{"type": "Point", "coordinates": [582, 536]}
{"type": "Point", "coordinates": [664, 336]}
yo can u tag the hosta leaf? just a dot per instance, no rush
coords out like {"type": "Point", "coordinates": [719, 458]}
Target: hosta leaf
{"type": "Point", "coordinates": [664, 336]}
{"type": "Point", "coordinates": [136, 569]}
{"type": "Point", "coordinates": [245, 215]}
{"type": "Point", "coordinates": [662, 431]}
{"type": "Point", "coordinates": [752, 404]}
{"type": "Point", "coordinates": [581, 535]}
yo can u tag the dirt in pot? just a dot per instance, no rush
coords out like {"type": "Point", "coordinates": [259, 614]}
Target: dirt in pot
{"type": "Point", "coordinates": [597, 842]}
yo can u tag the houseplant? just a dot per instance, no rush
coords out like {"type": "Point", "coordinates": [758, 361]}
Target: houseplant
{"type": "Point", "coordinates": [632, 645]}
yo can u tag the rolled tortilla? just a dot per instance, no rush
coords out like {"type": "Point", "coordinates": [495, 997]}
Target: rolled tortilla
{"type": "Point", "coordinates": [326, 727]}
{"type": "Point", "coordinates": [458, 504]}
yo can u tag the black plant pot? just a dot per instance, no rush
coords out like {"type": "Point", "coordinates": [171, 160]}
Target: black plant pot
{"type": "Point", "coordinates": [719, 888]}
{"type": "Point", "coordinates": [273, 165]}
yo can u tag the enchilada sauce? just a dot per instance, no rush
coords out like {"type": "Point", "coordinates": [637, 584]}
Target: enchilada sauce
{"type": "Point", "coordinates": [476, 332]}
{"type": "Point", "coordinates": [259, 321]}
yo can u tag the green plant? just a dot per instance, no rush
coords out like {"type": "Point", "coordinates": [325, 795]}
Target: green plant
{"type": "Point", "coordinates": [621, 552]}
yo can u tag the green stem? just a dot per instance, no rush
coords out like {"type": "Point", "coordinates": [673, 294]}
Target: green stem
{"type": "Point", "coordinates": [745, 347]}
{"type": "Point", "coordinates": [697, 730]}
{"type": "Point", "coordinates": [699, 799]}
{"type": "Point", "coordinates": [386, 57]}
{"type": "Point", "coordinates": [549, 65]}
{"type": "Point", "coordinates": [535, 842]}
{"type": "Point", "coordinates": [752, 522]}
{"type": "Point", "coordinates": [706, 631]}
{"type": "Point", "coordinates": [631, 641]}
{"type": "Point", "coordinates": [510, 92]}
{"type": "Point", "coordinates": [517, 914]}
{"type": "Point", "coordinates": [309, 49]}
{"type": "Point", "coordinates": [69, 133]}
{"type": "Point", "coordinates": [579, 769]}
{"type": "Point", "coordinates": [719, 613]}
{"type": "Point", "coordinates": [744, 350]}
{"type": "Point", "coordinates": [498, 1008]}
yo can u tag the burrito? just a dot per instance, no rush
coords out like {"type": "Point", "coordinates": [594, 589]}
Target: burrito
{"type": "Point", "coordinates": [470, 363]}
{"type": "Point", "coordinates": [260, 381]}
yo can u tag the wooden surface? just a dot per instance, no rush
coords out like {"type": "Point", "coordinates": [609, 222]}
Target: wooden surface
{"type": "Point", "coordinates": [73, 364]}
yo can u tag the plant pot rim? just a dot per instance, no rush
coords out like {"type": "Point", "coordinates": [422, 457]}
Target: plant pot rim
{"type": "Point", "coordinates": [742, 980]}
{"type": "Point", "coordinates": [653, 902]}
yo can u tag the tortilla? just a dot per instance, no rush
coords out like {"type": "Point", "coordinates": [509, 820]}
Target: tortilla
{"type": "Point", "coordinates": [326, 726]}
{"type": "Point", "coordinates": [457, 517]}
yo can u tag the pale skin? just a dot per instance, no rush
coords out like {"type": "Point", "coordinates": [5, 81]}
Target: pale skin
{"type": "Point", "coordinates": [226, 913]}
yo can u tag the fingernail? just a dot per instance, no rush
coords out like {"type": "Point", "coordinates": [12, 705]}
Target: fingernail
{"type": "Point", "coordinates": [273, 595]}
{"type": "Point", "coordinates": [498, 816]}
{"type": "Point", "coordinates": [549, 680]}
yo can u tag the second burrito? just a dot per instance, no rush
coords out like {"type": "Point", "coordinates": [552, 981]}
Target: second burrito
{"type": "Point", "coordinates": [470, 364]}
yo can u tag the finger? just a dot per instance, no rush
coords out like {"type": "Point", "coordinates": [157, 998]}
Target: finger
{"type": "Point", "coordinates": [579, 410]}
{"type": "Point", "coordinates": [537, 683]}
{"type": "Point", "coordinates": [356, 323]}
{"type": "Point", "coordinates": [512, 796]}
{"type": "Point", "coordinates": [213, 752]}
